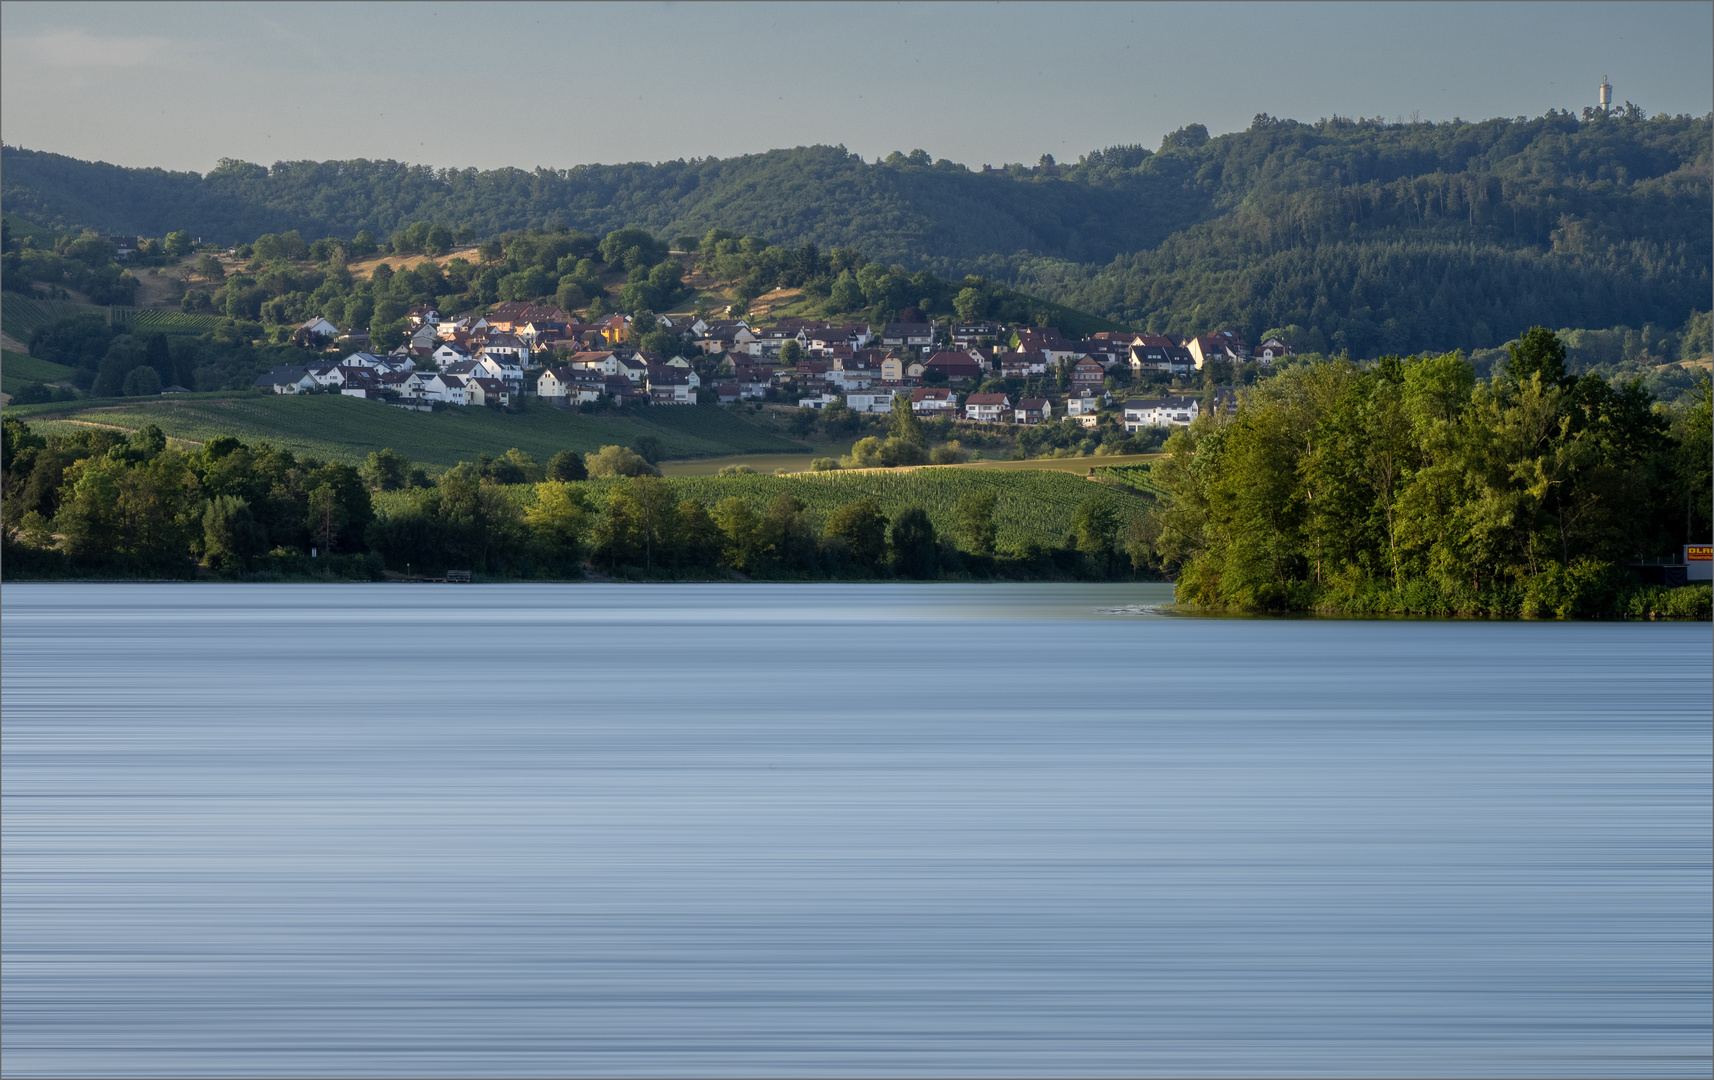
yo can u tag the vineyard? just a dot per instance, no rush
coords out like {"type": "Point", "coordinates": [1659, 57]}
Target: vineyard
{"type": "Point", "coordinates": [18, 371]}
{"type": "Point", "coordinates": [1139, 476]}
{"type": "Point", "coordinates": [22, 316]}
{"type": "Point", "coordinates": [340, 428]}
{"type": "Point", "coordinates": [1033, 505]}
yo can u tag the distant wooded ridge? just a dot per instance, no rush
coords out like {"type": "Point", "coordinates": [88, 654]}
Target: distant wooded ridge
{"type": "Point", "coordinates": [1381, 237]}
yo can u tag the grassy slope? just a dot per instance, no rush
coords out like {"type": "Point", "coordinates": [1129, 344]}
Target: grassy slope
{"type": "Point", "coordinates": [18, 371]}
{"type": "Point", "coordinates": [1033, 505]}
{"type": "Point", "coordinates": [347, 429]}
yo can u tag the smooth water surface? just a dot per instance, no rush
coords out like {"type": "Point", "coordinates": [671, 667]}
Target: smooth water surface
{"type": "Point", "coordinates": [837, 830]}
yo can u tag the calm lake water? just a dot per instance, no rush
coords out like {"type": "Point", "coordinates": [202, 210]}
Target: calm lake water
{"type": "Point", "coordinates": [716, 830]}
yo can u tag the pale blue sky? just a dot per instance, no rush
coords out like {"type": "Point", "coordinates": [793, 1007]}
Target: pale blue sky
{"type": "Point", "coordinates": [182, 85]}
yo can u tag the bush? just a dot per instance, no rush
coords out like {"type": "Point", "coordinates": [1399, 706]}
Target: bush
{"type": "Point", "coordinates": [1662, 602]}
{"type": "Point", "coordinates": [823, 464]}
{"type": "Point", "coordinates": [619, 461]}
{"type": "Point", "coordinates": [1586, 589]}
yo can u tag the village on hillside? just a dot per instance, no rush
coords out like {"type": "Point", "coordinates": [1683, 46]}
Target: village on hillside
{"type": "Point", "coordinates": [971, 372]}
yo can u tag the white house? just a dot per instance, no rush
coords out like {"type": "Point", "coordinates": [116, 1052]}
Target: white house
{"type": "Point", "coordinates": [819, 401]}
{"type": "Point", "coordinates": [1270, 350]}
{"type": "Point", "coordinates": [1220, 345]}
{"type": "Point", "coordinates": [507, 345]}
{"type": "Point", "coordinates": [874, 400]}
{"type": "Point", "coordinates": [1034, 411]}
{"type": "Point", "coordinates": [933, 401]}
{"type": "Point", "coordinates": [570, 384]}
{"type": "Point", "coordinates": [988, 408]}
{"type": "Point", "coordinates": [318, 328]}
{"type": "Point", "coordinates": [448, 354]}
{"type": "Point", "coordinates": [1161, 412]}
{"type": "Point", "coordinates": [1086, 402]}
{"type": "Point", "coordinates": [452, 390]}
{"type": "Point", "coordinates": [286, 380]}
{"type": "Point", "coordinates": [503, 367]}
{"type": "Point", "coordinates": [918, 336]}
{"type": "Point", "coordinates": [484, 391]}
{"type": "Point", "coordinates": [632, 367]}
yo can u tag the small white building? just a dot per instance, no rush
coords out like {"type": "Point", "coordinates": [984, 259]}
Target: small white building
{"type": "Point", "coordinates": [874, 400]}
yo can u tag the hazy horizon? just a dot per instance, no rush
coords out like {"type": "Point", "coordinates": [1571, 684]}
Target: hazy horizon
{"type": "Point", "coordinates": [167, 86]}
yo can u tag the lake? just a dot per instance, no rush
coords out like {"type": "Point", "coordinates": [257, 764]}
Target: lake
{"type": "Point", "coordinates": [842, 830]}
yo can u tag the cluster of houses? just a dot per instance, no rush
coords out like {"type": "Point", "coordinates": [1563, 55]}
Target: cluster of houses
{"type": "Point", "coordinates": [521, 349]}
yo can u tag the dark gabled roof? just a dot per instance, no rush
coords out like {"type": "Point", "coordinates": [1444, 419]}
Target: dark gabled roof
{"type": "Point", "coordinates": [1033, 404]}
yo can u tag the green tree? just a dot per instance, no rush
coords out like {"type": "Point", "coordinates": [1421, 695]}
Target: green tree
{"type": "Point", "coordinates": [386, 470]}
{"type": "Point", "coordinates": [230, 535]}
{"type": "Point", "coordinates": [1538, 352]}
{"type": "Point", "coordinates": [661, 343]}
{"type": "Point", "coordinates": [655, 514]}
{"type": "Point", "coordinates": [558, 520]}
{"type": "Point", "coordinates": [975, 515]}
{"type": "Point", "coordinates": [783, 536]}
{"type": "Point", "coordinates": [142, 382]}
{"type": "Point", "coordinates": [570, 295]}
{"type": "Point", "coordinates": [619, 462]}
{"type": "Point", "coordinates": [902, 423]}
{"type": "Point", "coordinates": [846, 295]}
{"type": "Point", "coordinates": [177, 244]}
{"type": "Point", "coordinates": [916, 552]}
{"type": "Point", "coordinates": [1096, 526]}
{"type": "Point", "coordinates": [863, 528]}
{"type": "Point", "coordinates": [567, 465]}
{"type": "Point", "coordinates": [737, 524]}
{"type": "Point", "coordinates": [649, 449]}
{"type": "Point", "coordinates": [700, 538]}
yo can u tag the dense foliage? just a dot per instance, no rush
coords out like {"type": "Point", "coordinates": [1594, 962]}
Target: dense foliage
{"type": "Point", "coordinates": [95, 502]}
{"type": "Point", "coordinates": [1381, 236]}
{"type": "Point", "coordinates": [1407, 485]}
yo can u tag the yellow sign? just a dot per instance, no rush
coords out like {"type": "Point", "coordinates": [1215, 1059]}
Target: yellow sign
{"type": "Point", "coordinates": [1698, 553]}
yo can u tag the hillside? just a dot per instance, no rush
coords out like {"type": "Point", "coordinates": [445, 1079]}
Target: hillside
{"type": "Point", "coordinates": [1377, 236]}
{"type": "Point", "coordinates": [338, 428]}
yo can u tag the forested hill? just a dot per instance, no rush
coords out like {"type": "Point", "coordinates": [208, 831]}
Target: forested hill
{"type": "Point", "coordinates": [1376, 236]}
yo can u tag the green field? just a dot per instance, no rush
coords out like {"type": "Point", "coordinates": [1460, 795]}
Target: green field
{"type": "Point", "coordinates": [18, 371]}
{"type": "Point", "coordinates": [22, 316]}
{"type": "Point", "coordinates": [349, 429]}
{"type": "Point", "coordinates": [1033, 504]}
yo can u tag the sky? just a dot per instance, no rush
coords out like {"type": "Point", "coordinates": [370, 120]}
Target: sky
{"type": "Point", "coordinates": [180, 86]}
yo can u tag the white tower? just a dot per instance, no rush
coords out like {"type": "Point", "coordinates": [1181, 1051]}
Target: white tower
{"type": "Point", "coordinates": [1606, 94]}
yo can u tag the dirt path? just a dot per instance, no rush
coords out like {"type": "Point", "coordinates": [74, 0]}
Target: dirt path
{"type": "Point", "coordinates": [12, 344]}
